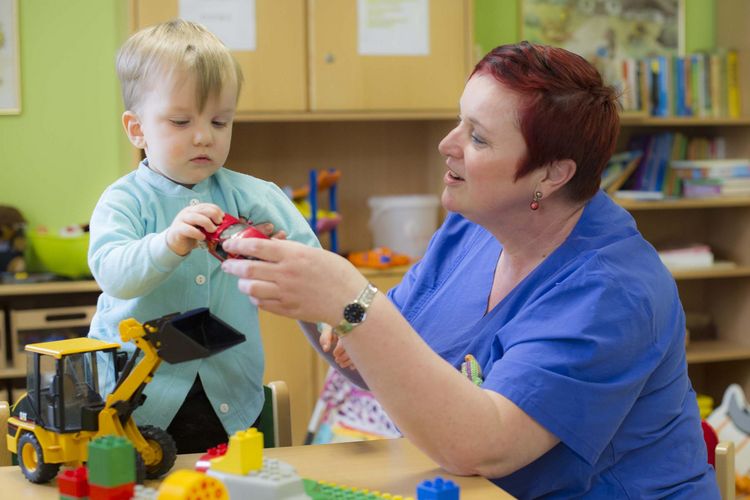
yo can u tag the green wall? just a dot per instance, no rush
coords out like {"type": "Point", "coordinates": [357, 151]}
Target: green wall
{"type": "Point", "coordinates": [67, 144]}
{"type": "Point", "coordinates": [497, 22]}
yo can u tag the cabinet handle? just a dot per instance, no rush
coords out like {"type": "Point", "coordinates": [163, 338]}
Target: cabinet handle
{"type": "Point", "coordinates": [65, 317]}
{"type": "Point", "coordinates": [329, 58]}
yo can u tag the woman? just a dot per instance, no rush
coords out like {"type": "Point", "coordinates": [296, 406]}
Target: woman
{"type": "Point", "coordinates": [574, 321]}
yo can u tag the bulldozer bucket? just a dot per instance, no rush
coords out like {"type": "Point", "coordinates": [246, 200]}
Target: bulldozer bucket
{"type": "Point", "coordinates": [192, 335]}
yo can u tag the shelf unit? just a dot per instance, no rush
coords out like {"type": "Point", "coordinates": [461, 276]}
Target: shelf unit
{"type": "Point", "coordinates": [718, 354]}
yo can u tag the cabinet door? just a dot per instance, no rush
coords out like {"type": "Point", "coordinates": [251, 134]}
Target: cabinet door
{"type": "Point", "coordinates": [275, 73]}
{"type": "Point", "coordinates": [343, 80]}
{"type": "Point", "coordinates": [289, 357]}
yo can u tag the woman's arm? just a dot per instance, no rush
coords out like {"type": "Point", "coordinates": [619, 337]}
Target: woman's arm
{"type": "Point", "coordinates": [464, 428]}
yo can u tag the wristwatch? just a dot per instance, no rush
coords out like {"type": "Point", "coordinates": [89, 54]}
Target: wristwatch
{"type": "Point", "coordinates": [356, 312]}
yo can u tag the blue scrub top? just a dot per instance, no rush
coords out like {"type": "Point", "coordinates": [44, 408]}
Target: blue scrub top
{"type": "Point", "coordinates": [591, 345]}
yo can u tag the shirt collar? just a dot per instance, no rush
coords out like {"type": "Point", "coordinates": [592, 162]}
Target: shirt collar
{"type": "Point", "coordinates": [168, 186]}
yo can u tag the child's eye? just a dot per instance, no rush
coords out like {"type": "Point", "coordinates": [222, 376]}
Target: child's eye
{"type": "Point", "coordinates": [179, 123]}
{"type": "Point", "coordinates": [219, 124]}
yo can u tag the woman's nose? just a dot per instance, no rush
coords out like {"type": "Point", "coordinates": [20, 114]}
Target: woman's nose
{"type": "Point", "coordinates": [449, 146]}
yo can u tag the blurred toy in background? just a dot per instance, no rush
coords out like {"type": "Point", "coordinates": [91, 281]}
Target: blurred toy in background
{"type": "Point", "coordinates": [12, 240]}
{"type": "Point", "coordinates": [344, 412]}
{"type": "Point", "coordinates": [63, 252]}
{"type": "Point", "coordinates": [230, 228]}
{"type": "Point", "coordinates": [306, 200]}
{"type": "Point", "coordinates": [731, 420]}
{"type": "Point", "coordinates": [379, 258]}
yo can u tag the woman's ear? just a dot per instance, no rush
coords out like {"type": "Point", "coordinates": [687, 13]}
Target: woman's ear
{"type": "Point", "coordinates": [557, 174]}
{"type": "Point", "coordinates": [133, 129]}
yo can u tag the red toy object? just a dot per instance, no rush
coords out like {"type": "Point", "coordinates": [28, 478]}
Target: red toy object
{"type": "Point", "coordinates": [229, 228]}
{"type": "Point", "coordinates": [378, 258]}
{"type": "Point", "coordinates": [73, 483]}
{"type": "Point", "coordinates": [204, 462]}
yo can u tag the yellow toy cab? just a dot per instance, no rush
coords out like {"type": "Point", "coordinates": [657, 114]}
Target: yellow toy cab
{"type": "Point", "coordinates": [52, 424]}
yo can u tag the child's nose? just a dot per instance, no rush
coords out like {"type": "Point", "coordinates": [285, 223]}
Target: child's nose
{"type": "Point", "coordinates": [202, 136]}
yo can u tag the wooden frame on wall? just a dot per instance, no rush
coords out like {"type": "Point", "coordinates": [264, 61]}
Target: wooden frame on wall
{"type": "Point", "coordinates": [10, 59]}
{"type": "Point", "coordinates": [612, 29]}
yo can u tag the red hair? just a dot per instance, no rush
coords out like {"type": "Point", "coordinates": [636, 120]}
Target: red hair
{"type": "Point", "coordinates": [566, 110]}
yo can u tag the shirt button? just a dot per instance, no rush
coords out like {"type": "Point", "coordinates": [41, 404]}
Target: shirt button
{"type": "Point", "coordinates": [223, 408]}
{"type": "Point", "coordinates": [194, 201]}
{"type": "Point", "coordinates": [200, 279]}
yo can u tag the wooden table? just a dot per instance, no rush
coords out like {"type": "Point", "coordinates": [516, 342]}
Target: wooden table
{"type": "Point", "coordinates": [389, 465]}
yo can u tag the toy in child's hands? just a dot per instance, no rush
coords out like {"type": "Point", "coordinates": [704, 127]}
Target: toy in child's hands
{"type": "Point", "coordinates": [229, 228]}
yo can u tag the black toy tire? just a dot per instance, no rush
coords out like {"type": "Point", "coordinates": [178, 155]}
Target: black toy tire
{"type": "Point", "coordinates": [160, 440]}
{"type": "Point", "coordinates": [31, 460]}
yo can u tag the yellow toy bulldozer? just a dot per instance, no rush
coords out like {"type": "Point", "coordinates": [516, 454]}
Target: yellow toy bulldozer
{"type": "Point", "coordinates": [63, 409]}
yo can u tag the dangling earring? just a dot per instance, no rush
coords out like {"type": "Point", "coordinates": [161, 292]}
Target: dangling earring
{"type": "Point", "coordinates": [535, 203]}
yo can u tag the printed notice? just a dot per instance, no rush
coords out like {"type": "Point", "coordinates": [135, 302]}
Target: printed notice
{"type": "Point", "coordinates": [393, 27]}
{"type": "Point", "coordinates": [233, 21]}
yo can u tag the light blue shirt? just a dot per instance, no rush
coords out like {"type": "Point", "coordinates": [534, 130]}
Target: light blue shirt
{"type": "Point", "coordinates": [142, 278]}
{"type": "Point", "coordinates": [591, 345]}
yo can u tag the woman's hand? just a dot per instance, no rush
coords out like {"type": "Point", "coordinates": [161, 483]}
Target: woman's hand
{"type": "Point", "coordinates": [294, 280]}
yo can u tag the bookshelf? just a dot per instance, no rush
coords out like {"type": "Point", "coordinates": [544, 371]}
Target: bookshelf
{"type": "Point", "coordinates": [719, 349]}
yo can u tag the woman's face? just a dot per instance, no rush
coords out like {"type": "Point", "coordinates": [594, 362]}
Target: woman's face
{"type": "Point", "coordinates": [483, 152]}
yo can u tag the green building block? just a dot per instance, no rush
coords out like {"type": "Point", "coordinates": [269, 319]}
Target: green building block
{"type": "Point", "coordinates": [322, 490]}
{"type": "Point", "coordinates": [111, 461]}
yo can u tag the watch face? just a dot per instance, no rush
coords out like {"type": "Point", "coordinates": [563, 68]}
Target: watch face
{"type": "Point", "coordinates": [354, 313]}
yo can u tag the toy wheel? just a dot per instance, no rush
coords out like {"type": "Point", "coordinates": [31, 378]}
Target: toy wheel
{"type": "Point", "coordinates": [140, 468]}
{"type": "Point", "coordinates": [31, 460]}
{"type": "Point", "coordinates": [164, 449]}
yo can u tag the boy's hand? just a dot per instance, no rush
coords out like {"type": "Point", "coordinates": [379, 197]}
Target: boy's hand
{"type": "Point", "coordinates": [183, 235]}
{"type": "Point", "coordinates": [340, 356]}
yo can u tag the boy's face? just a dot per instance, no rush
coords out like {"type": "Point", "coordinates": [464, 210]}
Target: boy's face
{"type": "Point", "coordinates": [181, 142]}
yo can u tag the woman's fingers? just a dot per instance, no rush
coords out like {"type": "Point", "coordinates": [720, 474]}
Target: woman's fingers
{"type": "Point", "coordinates": [268, 250]}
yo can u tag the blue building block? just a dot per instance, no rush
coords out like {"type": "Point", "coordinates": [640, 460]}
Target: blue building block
{"type": "Point", "coordinates": [437, 489]}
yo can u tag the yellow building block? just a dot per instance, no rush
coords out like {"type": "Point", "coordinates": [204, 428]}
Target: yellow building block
{"type": "Point", "coordinates": [191, 485]}
{"type": "Point", "coordinates": [244, 453]}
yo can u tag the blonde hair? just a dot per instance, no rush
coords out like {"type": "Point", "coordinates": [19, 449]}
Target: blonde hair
{"type": "Point", "coordinates": [156, 52]}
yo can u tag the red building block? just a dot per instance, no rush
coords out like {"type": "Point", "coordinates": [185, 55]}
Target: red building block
{"type": "Point", "coordinates": [73, 483]}
{"type": "Point", "coordinates": [122, 492]}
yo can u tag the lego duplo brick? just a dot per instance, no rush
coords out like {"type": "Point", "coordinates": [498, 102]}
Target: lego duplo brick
{"type": "Point", "coordinates": [437, 489]}
{"type": "Point", "coordinates": [244, 453]}
{"type": "Point", "coordinates": [73, 483]}
{"type": "Point", "coordinates": [187, 484]}
{"type": "Point", "coordinates": [275, 480]}
{"type": "Point", "coordinates": [111, 461]}
{"type": "Point", "coordinates": [121, 492]}
{"type": "Point", "coordinates": [324, 490]}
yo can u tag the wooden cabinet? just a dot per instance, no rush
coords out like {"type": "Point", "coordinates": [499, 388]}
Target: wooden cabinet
{"type": "Point", "coordinates": [343, 79]}
{"type": "Point", "coordinates": [275, 73]}
{"type": "Point", "coordinates": [294, 35]}
{"type": "Point", "coordinates": [39, 312]}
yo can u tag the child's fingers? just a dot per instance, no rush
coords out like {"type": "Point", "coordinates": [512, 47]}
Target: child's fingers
{"type": "Point", "coordinates": [326, 338]}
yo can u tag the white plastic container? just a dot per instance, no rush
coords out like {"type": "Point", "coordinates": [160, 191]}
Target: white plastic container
{"type": "Point", "coordinates": [405, 223]}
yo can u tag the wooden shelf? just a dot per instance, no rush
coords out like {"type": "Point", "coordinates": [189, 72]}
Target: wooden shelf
{"type": "Point", "coordinates": [321, 116]}
{"type": "Point", "coordinates": [719, 270]}
{"type": "Point", "coordinates": [49, 287]}
{"type": "Point", "coordinates": [683, 203]}
{"type": "Point", "coordinates": [710, 351]}
{"type": "Point", "coordinates": [639, 120]}
{"type": "Point", "coordinates": [6, 373]}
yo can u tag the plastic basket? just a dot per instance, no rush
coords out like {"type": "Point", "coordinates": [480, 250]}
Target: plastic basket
{"type": "Point", "coordinates": [62, 255]}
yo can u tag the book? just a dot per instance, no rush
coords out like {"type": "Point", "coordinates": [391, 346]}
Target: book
{"type": "Point", "coordinates": [630, 194]}
{"type": "Point", "coordinates": [690, 256]}
{"type": "Point", "coordinates": [711, 169]}
{"type": "Point", "coordinates": [619, 168]}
